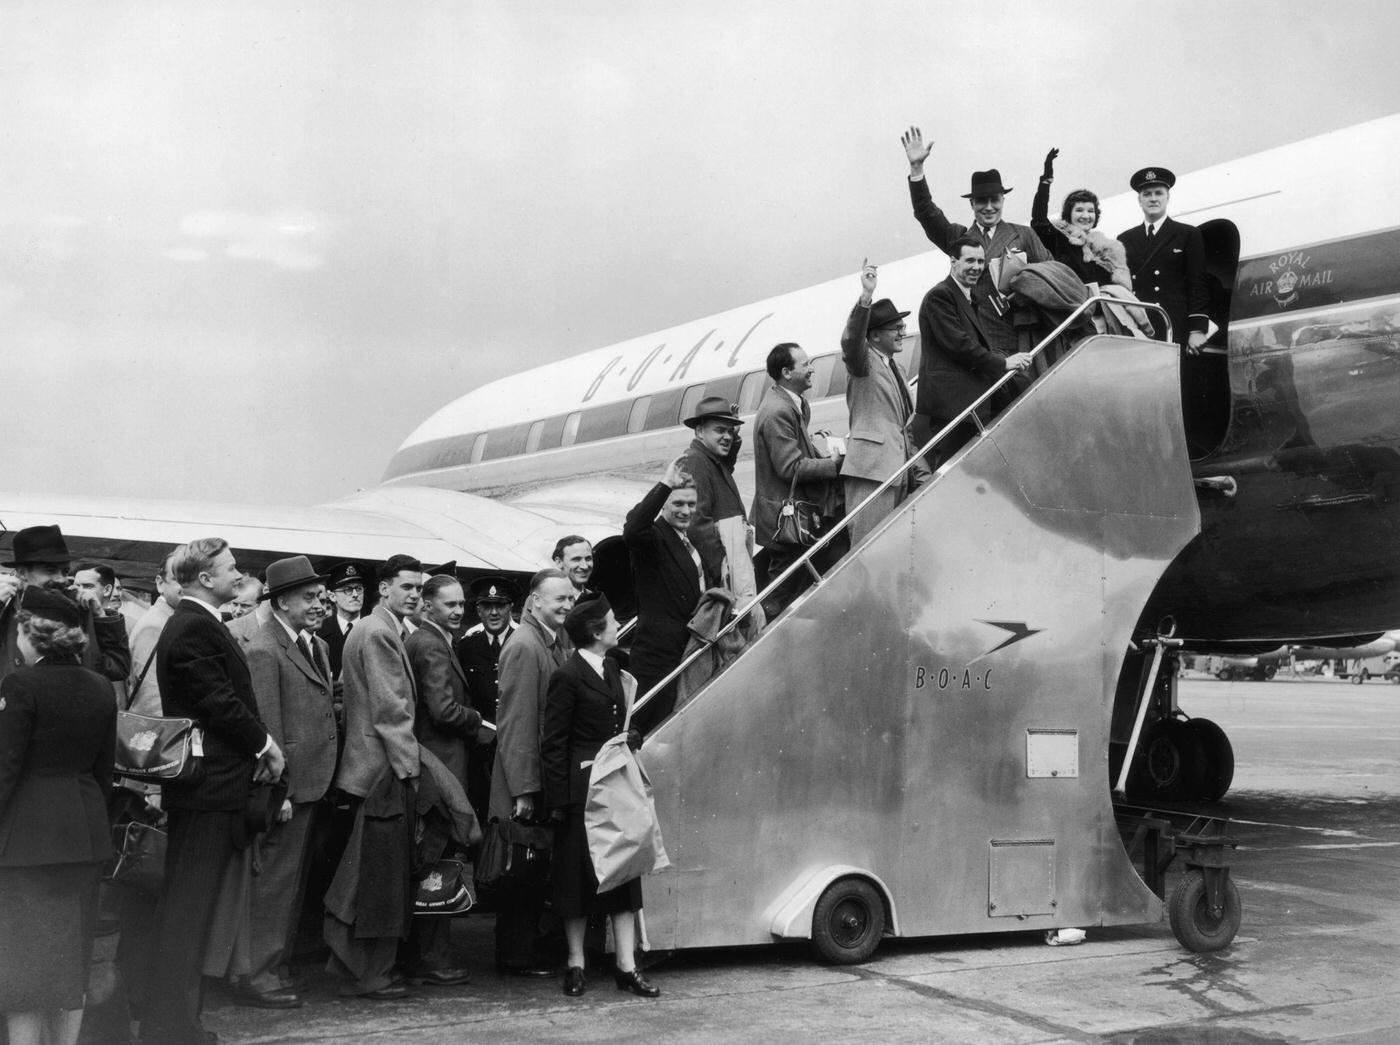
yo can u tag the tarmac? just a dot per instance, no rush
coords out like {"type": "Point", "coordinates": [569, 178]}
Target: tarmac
{"type": "Point", "coordinates": [1316, 810]}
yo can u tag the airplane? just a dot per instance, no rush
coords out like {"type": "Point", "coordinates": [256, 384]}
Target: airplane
{"type": "Point", "coordinates": [1299, 495]}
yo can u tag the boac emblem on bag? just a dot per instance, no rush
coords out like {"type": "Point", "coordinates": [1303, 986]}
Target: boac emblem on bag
{"type": "Point", "coordinates": [143, 741]}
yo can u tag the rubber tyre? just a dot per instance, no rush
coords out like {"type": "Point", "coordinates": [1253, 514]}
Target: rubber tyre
{"type": "Point", "coordinates": [848, 922]}
{"type": "Point", "coordinates": [1269, 673]}
{"type": "Point", "coordinates": [1192, 924]}
{"type": "Point", "coordinates": [1171, 762]}
{"type": "Point", "coordinates": [1217, 759]}
{"type": "Point", "coordinates": [1225, 674]}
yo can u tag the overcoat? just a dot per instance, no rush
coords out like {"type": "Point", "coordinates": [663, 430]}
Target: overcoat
{"type": "Point", "coordinates": [530, 656]}
{"type": "Point", "coordinates": [380, 698]}
{"type": "Point", "coordinates": [445, 721]}
{"type": "Point", "coordinates": [294, 701]}
{"type": "Point", "coordinates": [880, 409]}
{"type": "Point", "coordinates": [783, 451]}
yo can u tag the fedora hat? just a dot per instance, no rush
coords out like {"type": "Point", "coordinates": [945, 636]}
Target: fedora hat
{"type": "Point", "coordinates": [39, 544]}
{"type": "Point", "coordinates": [986, 183]}
{"type": "Point", "coordinates": [884, 314]}
{"type": "Point", "coordinates": [1152, 176]}
{"type": "Point", "coordinates": [289, 573]}
{"type": "Point", "coordinates": [714, 407]}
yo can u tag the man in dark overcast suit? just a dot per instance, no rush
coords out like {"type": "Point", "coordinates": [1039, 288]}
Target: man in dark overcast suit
{"type": "Point", "coordinates": [669, 574]}
{"type": "Point", "coordinates": [203, 676]}
{"type": "Point", "coordinates": [959, 362]}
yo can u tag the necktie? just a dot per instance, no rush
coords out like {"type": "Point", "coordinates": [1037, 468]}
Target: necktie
{"type": "Point", "coordinates": [305, 647]}
{"type": "Point", "coordinates": [806, 413]}
{"type": "Point", "coordinates": [694, 557]}
{"type": "Point", "coordinates": [1151, 232]}
{"type": "Point", "coordinates": [903, 387]}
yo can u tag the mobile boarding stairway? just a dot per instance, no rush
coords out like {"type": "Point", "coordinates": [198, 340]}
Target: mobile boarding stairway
{"type": "Point", "coordinates": [919, 746]}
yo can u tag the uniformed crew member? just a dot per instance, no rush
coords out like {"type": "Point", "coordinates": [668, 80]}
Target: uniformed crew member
{"type": "Point", "coordinates": [1167, 260]}
{"type": "Point", "coordinates": [479, 651]}
{"type": "Point", "coordinates": [347, 585]}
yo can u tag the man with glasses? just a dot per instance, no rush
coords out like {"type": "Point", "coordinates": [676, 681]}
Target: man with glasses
{"type": "Point", "coordinates": [347, 590]}
{"type": "Point", "coordinates": [877, 396]}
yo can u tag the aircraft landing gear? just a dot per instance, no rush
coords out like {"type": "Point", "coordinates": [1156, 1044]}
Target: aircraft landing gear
{"type": "Point", "coordinates": [1173, 758]}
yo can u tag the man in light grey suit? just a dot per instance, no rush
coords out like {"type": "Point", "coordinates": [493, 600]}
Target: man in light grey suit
{"type": "Point", "coordinates": [291, 681]}
{"type": "Point", "coordinates": [380, 749]}
{"type": "Point", "coordinates": [881, 409]}
{"type": "Point", "coordinates": [787, 462]}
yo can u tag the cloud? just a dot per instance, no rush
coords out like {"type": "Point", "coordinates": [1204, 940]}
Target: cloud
{"type": "Point", "coordinates": [187, 254]}
{"type": "Point", "coordinates": [286, 239]}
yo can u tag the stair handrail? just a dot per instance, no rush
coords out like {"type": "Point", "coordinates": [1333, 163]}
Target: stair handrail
{"type": "Point", "coordinates": [970, 412]}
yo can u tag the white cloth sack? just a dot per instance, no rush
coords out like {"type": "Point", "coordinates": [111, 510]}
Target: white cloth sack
{"type": "Point", "coordinates": [619, 817]}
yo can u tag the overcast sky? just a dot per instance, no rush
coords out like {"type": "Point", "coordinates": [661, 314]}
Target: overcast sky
{"type": "Point", "coordinates": [246, 248]}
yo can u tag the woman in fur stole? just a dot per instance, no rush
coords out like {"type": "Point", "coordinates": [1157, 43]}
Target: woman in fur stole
{"type": "Point", "coordinates": [1073, 237]}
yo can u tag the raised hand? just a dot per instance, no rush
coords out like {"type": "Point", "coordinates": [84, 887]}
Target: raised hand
{"type": "Point", "coordinates": [915, 148]}
{"type": "Point", "coordinates": [1050, 163]}
{"type": "Point", "coordinates": [675, 474]}
{"type": "Point", "coordinates": [867, 280]}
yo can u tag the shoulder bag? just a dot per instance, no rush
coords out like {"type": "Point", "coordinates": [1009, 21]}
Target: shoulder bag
{"type": "Point", "coordinates": [155, 749]}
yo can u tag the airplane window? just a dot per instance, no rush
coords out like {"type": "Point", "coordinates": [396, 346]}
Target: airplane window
{"type": "Point", "coordinates": [726, 388]}
{"type": "Point", "coordinates": [532, 441]}
{"type": "Point", "coordinates": [665, 409]}
{"type": "Point", "coordinates": [604, 422]}
{"type": "Point", "coordinates": [751, 391]}
{"type": "Point", "coordinates": [570, 433]}
{"type": "Point", "coordinates": [507, 442]}
{"type": "Point", "coordinates": [479, 447]}
{"type": "Point", "coordinates": [551, 433]}
{"type": "Point", "coordinates": [691, 400]}
{"type": "Point", "coordinates": [637, 418]}
{"type": "Point", "coordinates": [821, 374]}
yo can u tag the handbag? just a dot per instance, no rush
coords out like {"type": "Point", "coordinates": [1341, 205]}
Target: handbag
{"type": "Point", "coordinates": [799, 522]}
{"type": "Point", "coordinates": [441, 888]}
{"type": "Point", "coordinates": [140, 862]}
{"type": "Point", "coordinates": [514, 856]}
{"type": "Point", "coordinates": [157, 749]}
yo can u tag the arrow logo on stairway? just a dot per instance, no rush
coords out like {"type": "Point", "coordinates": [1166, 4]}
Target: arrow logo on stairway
{"type": "Point", "coordinates": [1018, 630]}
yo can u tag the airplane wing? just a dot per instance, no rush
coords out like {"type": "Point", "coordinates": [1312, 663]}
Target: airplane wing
{"type": "Point", "coordinates": [134, 535]}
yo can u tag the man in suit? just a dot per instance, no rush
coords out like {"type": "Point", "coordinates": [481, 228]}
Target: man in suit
{"type": "Point", "coordinates": [533, 653]}
{"type": "Point", "coordinates": [446, 725]}
{"type": "Point", "coordinates": [718, 524]}
{"type": "Point", "coordinates": [203, 676]}
{"type": "Point", "coordinates": [877, 396]}
{"type": "Point", "coordinates": [145, 688]}
{"type": "Point", "coordinates": [479, 651]}
{"type": "Point", "coordinates": [40, 559]}
{"type": "Point", "coordinates": [1167, 260]}
{"type": "Point", "coordinates": [787, 463]}
{"type": "Point", "coordinates": [347, 585]}
{"type": "Point", "coordinates": [573, 554]}
{"type": "Point", "coordinates": [291, 681]}
{"type": "Point", "coordinates": [1005, 330]}
{"type": "Point", "coordinates": [669, 573]}
{"type": "Point", "coordinates": [959, 363]}
{"type": "Point", "coordinates": [380, 747]}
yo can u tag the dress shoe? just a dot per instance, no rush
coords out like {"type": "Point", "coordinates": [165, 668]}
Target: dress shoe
{"type": "Point", "coordinates": [442, 977]}
{"type": "Point", "coordinates": [634, 981]}
{"type": "Point", "coordinates": [533, 972]}
{"type": "Point", "coordinates": [392, 992]}
{"type": "Point", "coordinates": [280, 999]}
{"type": "Point", "coordinates": [574, 984]}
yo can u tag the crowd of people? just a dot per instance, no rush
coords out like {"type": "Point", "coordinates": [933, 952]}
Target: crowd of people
{"type": "Point", "coordinates": [345, 747]}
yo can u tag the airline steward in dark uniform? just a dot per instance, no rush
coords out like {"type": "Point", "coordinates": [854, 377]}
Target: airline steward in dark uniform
{"type": "Point", "coordinates": [479, 650]}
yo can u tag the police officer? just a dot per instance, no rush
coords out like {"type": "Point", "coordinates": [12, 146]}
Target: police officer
{"type": "Point", "coordinates": [347, 588]}
{"type": "Point", "coordinates": [479, 650]}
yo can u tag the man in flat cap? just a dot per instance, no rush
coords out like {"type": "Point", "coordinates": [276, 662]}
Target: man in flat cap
{"type": "Point", "coordinates": [987, 196]}
{"type": "Point", "coordinates": [40, 559]}
{"type": "Point", "coordinates": [479, 651]}
{"type": "Point", "coordinates": [719, 526]}
{"type": "Point", "coordinates": [292, 684]}
{"type": "Point", "coordinates": [1167, 260]}
{"type": "Point", "coordinates": [877, 396]}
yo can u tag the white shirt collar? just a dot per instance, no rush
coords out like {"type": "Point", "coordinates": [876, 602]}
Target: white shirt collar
{"type": "Point", "coordinates": [440, 630]}
{"type": "Point", "coordinates": [966, 291]}
{"type": "Point", "coordinates": [204, 605]}
{"type": "Point", "coordinates": [797, 399]}
{"type": "Point", "coordinates": [1154, 227]}
{"type": "Point", "coordinates": [594, 661]}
